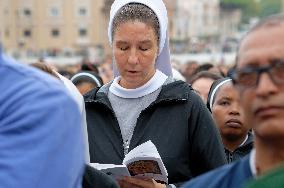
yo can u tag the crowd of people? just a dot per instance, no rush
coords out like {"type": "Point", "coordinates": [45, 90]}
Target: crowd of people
{"type": "Point", "coordinates": [212, 126]}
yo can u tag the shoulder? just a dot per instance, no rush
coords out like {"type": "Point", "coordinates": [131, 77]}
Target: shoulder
{"type": "Point", "coordinates": [232, 175]}
{"type": "Point", "coordinates": [23, 84]}
{"type": "Point", "coordinates": [18, 75]}
{"type": "Point", "coordinates": [73, 91]}
{"type": "Point", "coordinates": [173, 87]}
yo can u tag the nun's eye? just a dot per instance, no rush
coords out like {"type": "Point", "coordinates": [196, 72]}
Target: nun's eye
{"type": "Point", "coordinates": [143, 49]}
{"type": "Point", "coordinates": [123, 48]}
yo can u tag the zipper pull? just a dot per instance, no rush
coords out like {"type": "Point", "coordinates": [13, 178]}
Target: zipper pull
{"type": "Point", "coordinates": [126, 147]}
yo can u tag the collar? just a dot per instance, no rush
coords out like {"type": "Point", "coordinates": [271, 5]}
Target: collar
{"type": "Point", "coordinates": [252, 163]}
{"type": "Point", "coordinates": [152, 85]}
{"type": "Point", "coordinates": [244, 141]}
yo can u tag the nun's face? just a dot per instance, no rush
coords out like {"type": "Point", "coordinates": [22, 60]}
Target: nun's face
{"type": "Point", "coordinates": [228, 114]}
{"type": "Point", "coordinates": [135, 49]}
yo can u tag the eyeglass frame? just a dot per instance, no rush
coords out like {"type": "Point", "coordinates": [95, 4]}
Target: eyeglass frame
{"type": "Point", "coordinates": [258, 70]}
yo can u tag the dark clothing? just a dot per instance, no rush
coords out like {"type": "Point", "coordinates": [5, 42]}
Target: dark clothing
{"type": "Point", "coordinates": [95, 179]}
{"type": "Point", "coordinates": [178, 123]}
{"type": "Point", "coordinates": [234, 175]}
{"type": "Point", "coordinates": [240, 151]}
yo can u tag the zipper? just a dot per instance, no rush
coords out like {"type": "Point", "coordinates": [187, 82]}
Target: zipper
{"type": "Point", "coordinates": [124, 145]}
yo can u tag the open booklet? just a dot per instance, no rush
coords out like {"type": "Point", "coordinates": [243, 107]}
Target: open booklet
{"type": "Point", "coordinates": [142, 161]}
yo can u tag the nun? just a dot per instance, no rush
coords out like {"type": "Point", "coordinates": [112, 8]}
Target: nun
{"type": "Point", "coordinates": [144, 102]}
{"type": "Point", "coordinates": [224, 103]}
{"type": "Point", "coordinates": [86, 81]}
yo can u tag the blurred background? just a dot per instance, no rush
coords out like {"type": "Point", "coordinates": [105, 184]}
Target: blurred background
{"type": "Point", "coordinates": [69, 33]}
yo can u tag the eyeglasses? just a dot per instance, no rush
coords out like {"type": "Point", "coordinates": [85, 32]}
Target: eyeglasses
{"type": "Point", "coordinates": [249, 77]}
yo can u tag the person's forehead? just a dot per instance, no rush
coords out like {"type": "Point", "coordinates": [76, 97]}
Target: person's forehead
{"type": "Point", "coordinates": [265, 42]}
{"type": "Point", "coordinates": [202, 81]}
{"type": "Point", "coordinates": [226, 90]}
{"type": "Point", "coordinates": [135, 28]}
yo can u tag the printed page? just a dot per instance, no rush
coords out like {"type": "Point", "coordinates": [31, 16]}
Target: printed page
{"type": "Point", "coordinates": [145, 160]}
{"type": "Point", "coordinates": [110, 169]}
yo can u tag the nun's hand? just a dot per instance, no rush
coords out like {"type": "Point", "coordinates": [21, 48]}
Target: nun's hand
{"type": "Point", "coordinates": [134, 182]}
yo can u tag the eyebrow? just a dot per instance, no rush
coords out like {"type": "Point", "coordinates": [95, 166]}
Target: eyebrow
{"type": "Point", "coordinates": [143, 42]}
{"type": "Point", "coordinates": [276, 60]}
{"type": "Point", "coordinates": [120, 42]}
{"type": "Point", "coordinates": [225, 98]}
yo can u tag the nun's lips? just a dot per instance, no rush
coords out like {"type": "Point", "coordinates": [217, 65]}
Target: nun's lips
{"type": "Point", "coordinates": [132, 71]}
{"type": "Point", "coordinates": [234, 123]}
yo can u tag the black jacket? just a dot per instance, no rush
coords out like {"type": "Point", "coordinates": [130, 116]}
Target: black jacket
{"type": "Point", "coordinates": [95, 179]}
{"type": "Point", "coordinates": [240, 151]}
{"type": "Point", "coordinates": [178, 123]}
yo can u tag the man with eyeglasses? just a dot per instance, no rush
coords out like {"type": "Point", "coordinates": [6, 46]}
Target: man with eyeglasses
{"type": "Point", "coordinates": [259, 77]}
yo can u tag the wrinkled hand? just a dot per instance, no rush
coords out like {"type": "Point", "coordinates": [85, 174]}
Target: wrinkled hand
{"type": "Point", "coordinates": [135, 182]}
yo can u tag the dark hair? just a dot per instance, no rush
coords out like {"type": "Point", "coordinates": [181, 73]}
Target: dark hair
{"type": "Point", "coordinates": [136, 11]}
{"type": "Point", "coordinates": [89, 67]}
{"type": "Point", "coordinates": [203, 67]}
{"type": "Point", "coordinates": [44, 67]}
{"type": "Point", "coordinates": [205, 74]}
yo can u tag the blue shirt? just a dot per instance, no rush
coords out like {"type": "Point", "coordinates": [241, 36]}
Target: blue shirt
{"type": "Point", "coordinates": [41, 142]}
{"type": "Point", "coordinates": [234, 175]}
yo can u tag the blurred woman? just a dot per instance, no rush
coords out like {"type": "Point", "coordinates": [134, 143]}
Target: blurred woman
{"type": "Point", "coordinates": [144, 102]}
{"type": "Point", "coordinates": [201, 83]}
{"type": "Point", "coordinates": [224, 103]}
{"type": "Point", "coordinates": [85, 81]}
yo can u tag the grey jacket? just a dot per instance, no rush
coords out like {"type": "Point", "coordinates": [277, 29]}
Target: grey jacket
{"type": "Point", "coordinates": [240, 151]}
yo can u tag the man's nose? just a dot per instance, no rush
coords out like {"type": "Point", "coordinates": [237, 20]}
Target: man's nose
{"type": "Point", "coordinates": [265, 85]}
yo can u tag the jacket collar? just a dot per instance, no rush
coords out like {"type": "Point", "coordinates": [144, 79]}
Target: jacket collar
{"type": "Point", "coordinates": [171, 90]}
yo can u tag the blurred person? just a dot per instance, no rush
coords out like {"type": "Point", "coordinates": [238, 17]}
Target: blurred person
{"type": "Point", "coordinates": [177, 75]}
{"type": "Point", "coordinates": [106, 70]}
{"type": "Point", "coordinates": [86, 81]}
{"type": "Point", "coordinates": [201, 83]}
{"type": "Point", "coordinates": [88, 66]}
{"type": "Point", "coordinates": [41, 143]}
{"type": "Point", "coordinates": [210, 68]}
{"type": "Point", "coordinates": [203, 67]}
{"type": "Point", "coordinates": [188, 69]}
{"type": "Point", "coordinates": [75, 94]}
{"type": "Point", "coordinates": [92, 178]}
{"type": "Point", "coordinates": [259, 78]}
{"type": "Point", "coordinates": [163, 110]}
{"type": "Point", "coordinates": [45, 68]}
{"type": "Point", "coordinates": [224, 103]}
{"type": "Point", "coordinates": [67, 74]}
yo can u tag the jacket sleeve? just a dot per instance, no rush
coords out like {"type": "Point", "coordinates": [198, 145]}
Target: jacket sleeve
{"type": "Point", "coordinates": [207, 151]}
{"type": "Point", "coordinates": [41, 142]}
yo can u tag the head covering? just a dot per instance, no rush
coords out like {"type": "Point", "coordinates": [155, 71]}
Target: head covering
{"type": "Point", "coordinates": [87, 76]}
{"type": "Point", "coordinates": [213, 90]}
{"type": "Point", "coordinates": [163, 59]}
